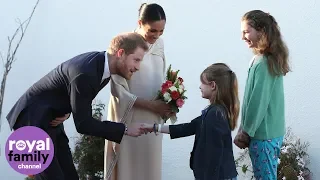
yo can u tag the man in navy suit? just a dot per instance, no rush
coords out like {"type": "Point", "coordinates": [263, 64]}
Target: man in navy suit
{"type": "Point", "coordinates": [70, 88]}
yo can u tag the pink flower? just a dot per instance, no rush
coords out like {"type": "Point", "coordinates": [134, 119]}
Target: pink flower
{"type": "Point", "coordinates": [180, 102]}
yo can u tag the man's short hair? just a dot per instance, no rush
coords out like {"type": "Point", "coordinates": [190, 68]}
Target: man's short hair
{"type": "Point", "coordinates": [129, 42]}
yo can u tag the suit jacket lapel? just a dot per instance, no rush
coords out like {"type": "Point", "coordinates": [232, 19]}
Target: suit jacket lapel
{"type": "Point", "coordinates": [104, 83]}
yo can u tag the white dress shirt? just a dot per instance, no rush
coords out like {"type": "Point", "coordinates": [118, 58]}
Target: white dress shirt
{"type": "Point", "coordinates": [106, 72]}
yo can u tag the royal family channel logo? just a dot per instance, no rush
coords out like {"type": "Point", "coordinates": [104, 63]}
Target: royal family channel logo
{"type": "Point", "coordinates": [29, 150]}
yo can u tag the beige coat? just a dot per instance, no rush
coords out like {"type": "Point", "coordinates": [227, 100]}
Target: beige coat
{"type": "Point", "coordinates": [136, 158]}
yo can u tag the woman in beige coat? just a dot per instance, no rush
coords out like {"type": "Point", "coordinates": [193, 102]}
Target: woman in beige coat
{"type": "Point", "coordinates": [134, 101]}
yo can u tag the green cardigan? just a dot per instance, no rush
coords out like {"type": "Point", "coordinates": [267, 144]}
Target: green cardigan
{"type": "Point", "coordinates": [263, 114]}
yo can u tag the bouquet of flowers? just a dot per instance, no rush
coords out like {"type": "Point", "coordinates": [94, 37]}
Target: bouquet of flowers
{"type": "Point", "coordinates": [172, 92]}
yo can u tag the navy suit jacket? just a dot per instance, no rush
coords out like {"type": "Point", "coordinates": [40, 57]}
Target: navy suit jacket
{"type": "Point", "coordinates": [69, 88]}
{"type": "Point", "coordinates": [212, 155]}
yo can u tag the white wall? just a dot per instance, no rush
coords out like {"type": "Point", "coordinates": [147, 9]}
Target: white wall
{"type": "Point", "coordinates": [198, 33]}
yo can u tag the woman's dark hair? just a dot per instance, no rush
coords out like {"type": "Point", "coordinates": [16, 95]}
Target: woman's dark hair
{"type": "Point", "coordinates": [151, 12]}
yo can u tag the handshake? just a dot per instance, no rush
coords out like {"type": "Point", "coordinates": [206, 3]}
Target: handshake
{"type": "Point", "coordinates": [134, 129]}
{"type": "Point", "coordinates": [137, 129]}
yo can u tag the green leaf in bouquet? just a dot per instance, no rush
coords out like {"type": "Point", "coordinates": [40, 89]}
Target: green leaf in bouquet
{"type": "Point", "coordinates": [176, 85]}
{"type": "Point", "coordinates": [182, 94]}
{"type": "Point", "coordinates": [174, 77]}
{"type": "Point", "coordinates": [175, 109]}
{"type": "Point", "coordinates": [173, 119]}
{"type": "Point", "coordinates": [164, 118]}
{"type": "Point", "coordinates": [169, 72]}
{"type": "Point", "coordinates": [159, 96]}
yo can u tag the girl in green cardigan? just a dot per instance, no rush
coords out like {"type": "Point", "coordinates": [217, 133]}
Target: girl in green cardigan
{"type": "Point", "coordinates": [263, 115]}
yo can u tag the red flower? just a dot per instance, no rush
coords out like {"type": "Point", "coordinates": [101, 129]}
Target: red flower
{"type": "Point", "coordinates": [180, 79]}
{"type": "Point", "coordinates": [169, 83]}
{"type": "Point", "coordinates": [180, 102]}
{"type": "Point", "coordinates": [163, 91]}
{"type": "Point", "coordinates": [175, 95]}
{"type": "Point", "coordinates": [165, 86]}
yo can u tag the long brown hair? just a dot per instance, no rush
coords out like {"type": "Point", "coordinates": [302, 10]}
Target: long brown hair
{"type": "Point", "coordinates": [227, 90]}
{"type": "Point", "coordinates": [270, 44]}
